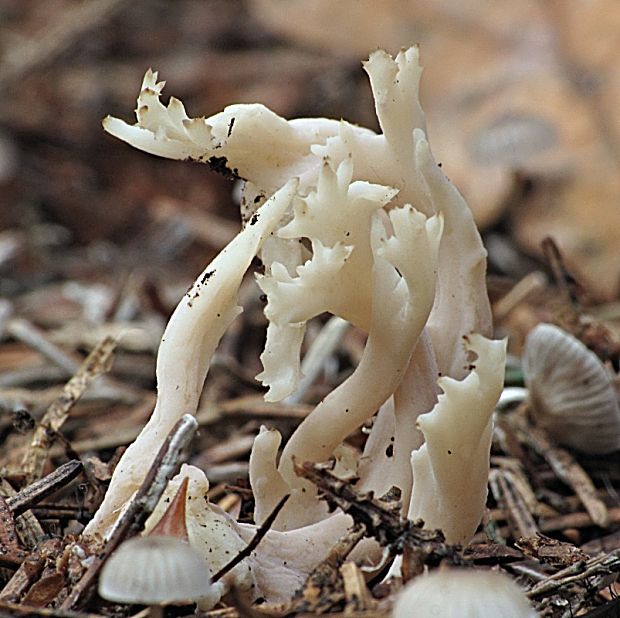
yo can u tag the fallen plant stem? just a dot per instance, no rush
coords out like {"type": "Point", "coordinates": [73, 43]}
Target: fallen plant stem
{"type": "Point", "coordinates": [163, 468]}
{"type": "Point", "coordinates": [568, 470]}
{"type": "Point", "coordinates": [256, 539]}
{"type": "Point", "coordinates": [37, 491]}
{"type": "Point", "coordinates": [96, 363]}
{"type": "Point", "coordinates": [381, 520]}
{"type": "Point", "coordinates": [28, 527]}
{"type": "Point", "coordinates": [324, 588]}
{"type": "Point", "coordinates": [601, 566]}
{"type": "Point", "coordinates": [508, 496]}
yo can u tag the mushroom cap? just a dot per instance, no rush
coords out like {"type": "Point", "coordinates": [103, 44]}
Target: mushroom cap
{"type": "Point", "coordinates": [462, 593]}
{"type": "Point", "coordinates": [154, 570]}
{"type": "Point", "coordinates": [571, 392]}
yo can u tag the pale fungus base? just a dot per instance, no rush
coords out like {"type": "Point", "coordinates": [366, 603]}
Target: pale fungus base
{"type": "Point", "coordinates": [364, 226]}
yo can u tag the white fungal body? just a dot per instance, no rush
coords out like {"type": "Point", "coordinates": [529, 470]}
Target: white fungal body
{"type": "Point", "coordinates": [461, 593]}
{"type": "Point", "coordinates": [451, 468]}
{"type": "Point", "coordinates": [369, 230]}
{"type": "Point", "coordinates": [571, 392]}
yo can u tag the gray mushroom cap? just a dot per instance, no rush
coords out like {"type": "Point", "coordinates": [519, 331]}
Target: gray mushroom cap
{"type": "Point", "coordinates": [155, 570]}
{"type": "Point", "coordinates": [571, 392]}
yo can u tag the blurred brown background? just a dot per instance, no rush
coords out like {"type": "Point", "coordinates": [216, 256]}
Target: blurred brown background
{"type": "Point", "coordinates": [521, 101]}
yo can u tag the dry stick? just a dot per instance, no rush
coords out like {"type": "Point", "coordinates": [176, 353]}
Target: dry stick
{"type": "Point", "coordinates": [356, 593]}
{"type": "Point", "coordinates": [577, 519]}
{"type": "Point", "coordinates": [532, 282]}
{"type": "Point", "coordinates": [29, 529]}
{"type": "Point", "coordinates": [163, 468]}
{"type": "Point", "coordinates": [384, 525]}
{"type": "Point", "coordinates": [37, 491]}
{"type": "Point", "coordinates": [509, 497]}
{"type": "Point", "coordinates": [564, 466]}
{"type": "Point", "coordinates": [324, 576]}
{"type": "Point", "coordinates": [97, 362]}
{"type": "Point", "coordinates": [563, 278]}
{"type": "Point", "coordinates": [603, 566]}
{"type": "Point", "coordinates": [35, 338]}
{"type": "Point", "coordinates": [27, 573]}
{"type": "Point", "coordinates": [256, 539]}
{"type": "Point", "coordinates": [38, 340]}
{"type": "Point", "coordinates": [571, 473]}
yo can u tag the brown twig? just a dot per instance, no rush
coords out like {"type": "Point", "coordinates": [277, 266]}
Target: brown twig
{"type": "Point", "coordinates": [507, 494]}
{"type": "Point", "coordinates": [37, 491]}
{"type": "Point", "coordinates": [579, 573]}
{"type": "Point", "coordinates": [29, 529]}
{"type": "Point", "coordinates": [563, 278]}
{"type": "Point", "coordinates": [381, 520]}
{"type": "Point", "coordinates": [96, 362]}
{"type": "Point", "coordinates": [256, 539]}
{"type": "Point", "coordinates": [570, 472]}
{"type": "Point", "coordinates": [9, 542]}
{"type": "Point", "coordinates": [356, 593]}
{"type": "Point", "coordinates": [324, 589]}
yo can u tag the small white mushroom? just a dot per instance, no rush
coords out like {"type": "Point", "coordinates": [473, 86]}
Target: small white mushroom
{"type": "Point", "coordinates": [461, 593]}
{"type": "Point", "coordinates": [571, 392]}
{"type": "Point", "coordinates": [156, 571]}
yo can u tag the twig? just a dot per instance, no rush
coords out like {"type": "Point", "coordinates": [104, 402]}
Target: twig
{"type": "Point", "coordinates": [324, 588]}
{"type": "Point", "coordinates": [11, 553]}
{"type": "Point", "coordinates": [29, 529]}
{"type": "Point", "coordinates": [96, 362]}
{"type": "Point", "coordinates": [256, 539]}
{"type": "Point", "coordinates": [35, 338]}
{"type": "Point", "coordinates": [563, 278]}
{"type": "Point", "coordinates": [37, 491]}
{"type": "Point", "coordinates": [604, 566]}
{"type": "Point", "coordinates": [578, 519]}
{"type": "Point", "coordinates": [508, 496]}
{"type": "Point", "coordinates": [571, 473]}
{"type": "Point", "coordinates": [356, 593]}
{"type": "Point", "coordinates": [163, 468]}
{"type": "Point", "coordinates": [27, 573]}
{"type": "Point", "coordinates": [9, 542]}
{"type": "Point", "coordinates": [381, 520]}
{"type": "Point", "coordinates": [532, 282]}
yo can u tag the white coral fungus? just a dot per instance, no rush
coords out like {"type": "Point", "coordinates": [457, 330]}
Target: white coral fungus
{"type": "Point", "coordinates": [364, 226]}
